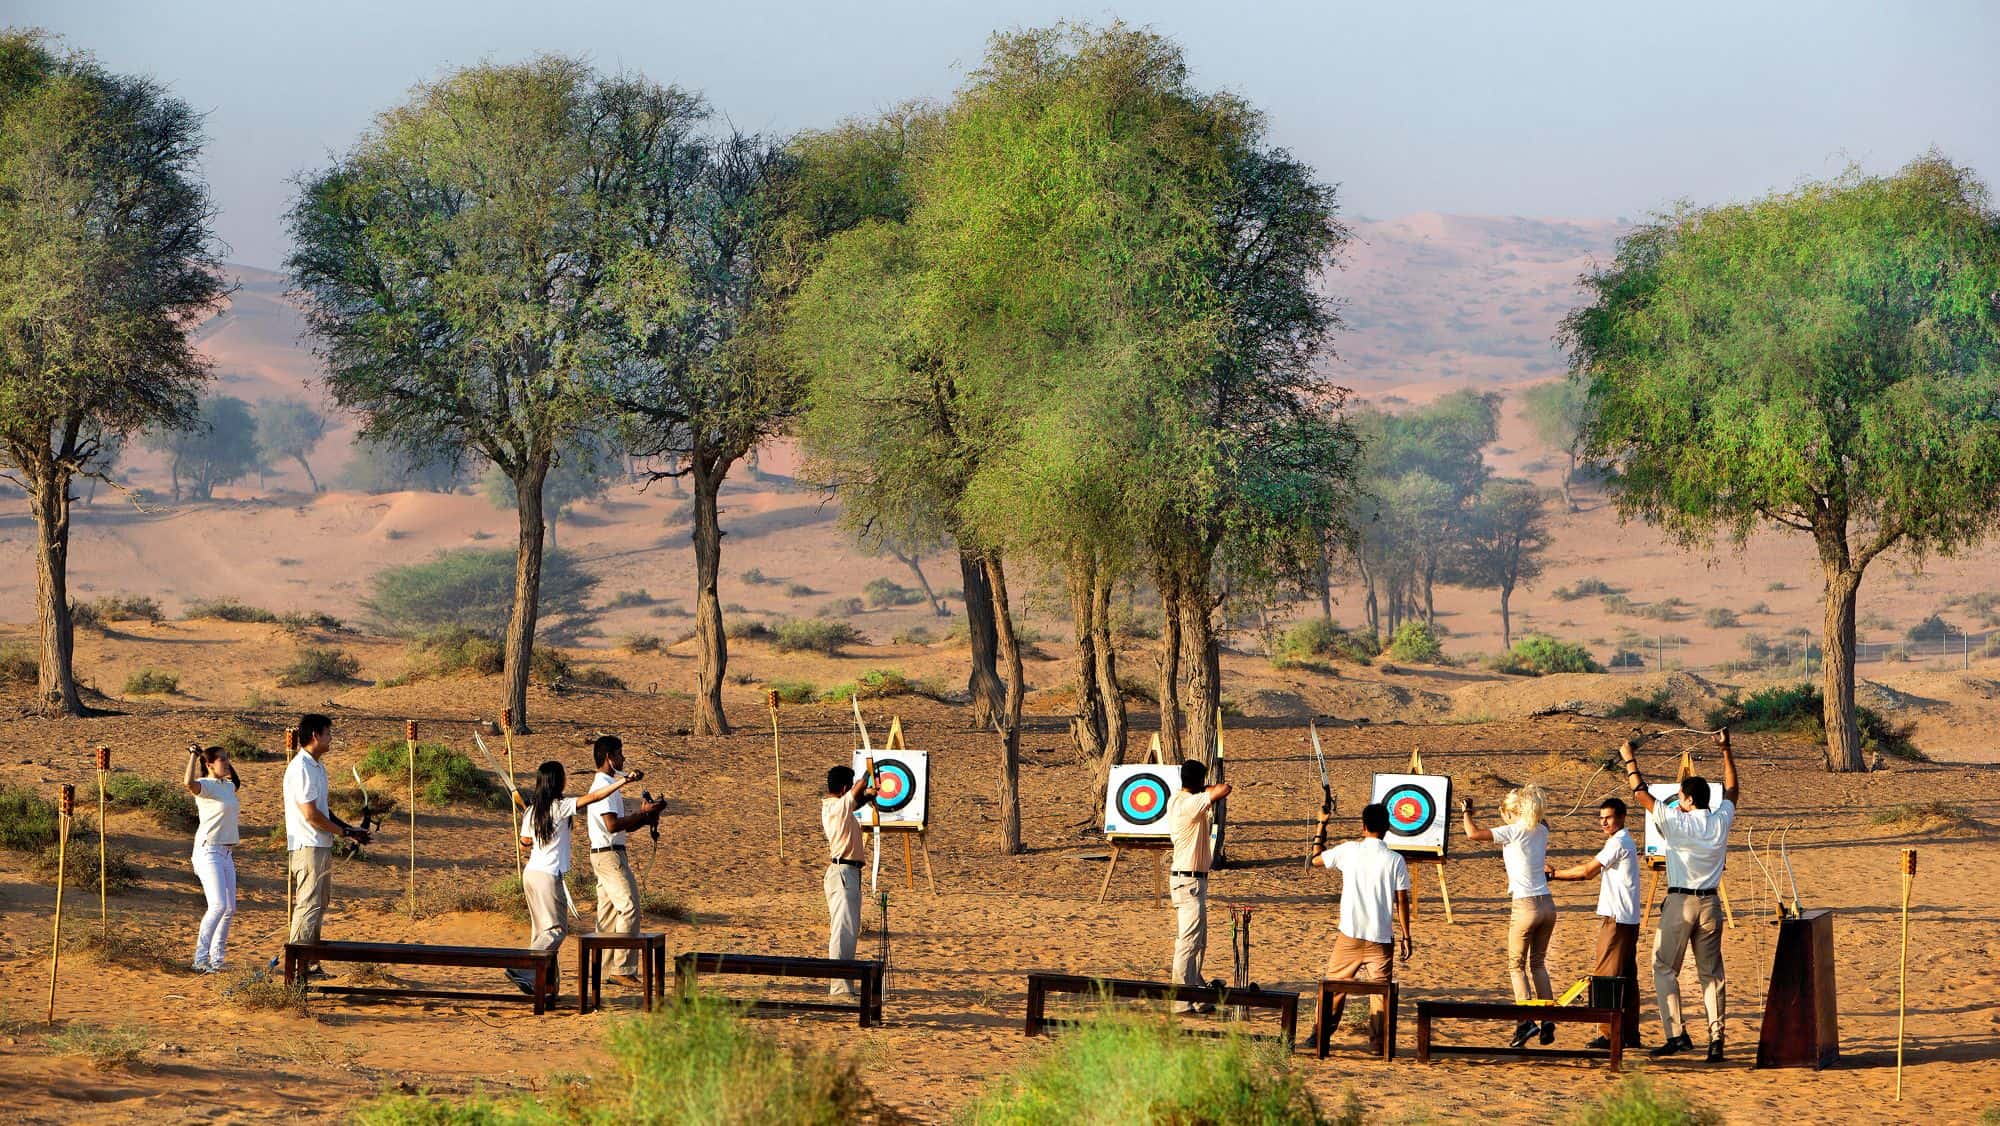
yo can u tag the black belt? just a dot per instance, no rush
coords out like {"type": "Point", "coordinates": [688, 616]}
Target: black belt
{"type": "Point", "coordinates": [607, 848]}
{"type": "Point", "coordinates": [849, 863]}
{"type": "Point", "coordinates": [1187, 873]}
{"type": "Point", "coordinates": [1702, 892]}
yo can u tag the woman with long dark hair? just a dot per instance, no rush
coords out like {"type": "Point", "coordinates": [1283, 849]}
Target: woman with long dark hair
{"type": "Point", "coordinates": [211, 778]}
{"type": "Point", "coordinates": [545, 836]}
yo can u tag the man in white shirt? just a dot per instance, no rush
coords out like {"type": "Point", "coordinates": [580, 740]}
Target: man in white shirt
{"type": "Point", "coordinates": [1697, 841]}
{"type": "Point", "coordinates": [310, 829]}
{"type": "Point", "coordinates": [1374, 895]}
{"type": "Point", "coordinates": [1618, 914]}
{"type": "Point", "coordinates": [608, 822]}
{"type": "Point", "coordinates": [842, 882]}
{"type": "Point", "coordinates": [1188, 820]}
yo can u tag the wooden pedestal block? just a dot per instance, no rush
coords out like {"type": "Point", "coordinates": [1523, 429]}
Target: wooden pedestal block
{"type": "Point", "coordinates": [1801, 1018]}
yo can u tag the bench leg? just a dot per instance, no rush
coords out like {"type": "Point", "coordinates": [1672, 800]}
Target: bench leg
{"type": "Point", "coordinates": [1617, 1051]}
{"type": "Point", "coordinates": [660, 968]}
{"type": "Point", "coordinates": [582, 974]}
{"type": "Point", "coordinates": [1322, 1034]}
{"type": "Point", "coordinates": [596, 982]}
{"type": "Point", "coordinates": [1423, 1034]}
{"type": "Point", "coordinates": [646, 986]}
{"type": "Point", "coordinates": [1037, 999]}
{"type": "Point", "coordinates": [1290, 1017]}
{"type": "Point", "coordinates": [869, 983]}
{"type": "Point", "coordinates": [1389, 1021]}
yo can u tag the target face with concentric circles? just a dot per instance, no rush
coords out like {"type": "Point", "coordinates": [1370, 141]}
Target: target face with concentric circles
{"type": "Point", "coordinates": [1142, 799]}
{"type": "Point", "coordinates": [895, 785]}
{"type": "Point", "coordinates": [1411, 810]}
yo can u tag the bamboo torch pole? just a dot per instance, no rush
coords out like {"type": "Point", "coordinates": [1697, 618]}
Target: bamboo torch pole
{"type": "Point", "coordinates": [1903, 964]}
{"type": "Point", "coordinates": [103, 913]}
{"type": "Point", "coordinates": [65, 810]}
{"type": "Point", "coordinates": [513, 810]}
{"type": "Point", "coordinates": [410, 737]}
{"type": "Point", "coordinates": [777, 773]}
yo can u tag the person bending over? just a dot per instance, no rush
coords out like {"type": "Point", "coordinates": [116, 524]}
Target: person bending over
{"type": "Point", "coordinates": [1374, 899]}
{"type": "Point", "coordinates": [1524, 848]}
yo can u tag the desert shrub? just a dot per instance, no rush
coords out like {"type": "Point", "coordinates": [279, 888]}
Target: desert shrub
{"type": "Point", "coordinates": [1584, 588]}
{"type": "Point", "coordinates": [1931, 631]}
{"type": "Point", "coordinates": [1538, 654]}
{"type": "Point", "coordinates": [79, 868]}
{"type": "Point", "coordinates": [1627, 659]}
{"type": "Point", "coordinates": [1141, 624]}
{"type": "Point", "coordinates": [298, 623]}
{"type": "Point", "coordinates": [472, 589]}
{"type": "Point", "coordinates": [880, 684]}
{"type": "Point", "coordinates": [1664, 610]}
{"type": "Point", "coordinates": [1636, 1102]}
{"type": "Point", "coordinates": [1800, 708]}
{"type": "Point", "coordinates": [1757, 608]}
{"type": "Point", "coordinates": [452, 652]}
{"type": "Point", "coordinates": [799, 590]}
{"type": "Point", "coordinates": [1619, 604]}
{"type": "Point", "coordinates": [1151, 1073]}
{"type": "Point", "coordinates": [1658, 707]}
{"type": "Point", "coordinates": [444, 775]}
{"type": "Point", "coordinates": [889, 592]}
{"type": "Point", "coordinates": [314, 665]}
{"type": "Point", "coordinates": [1776, 585]}
{"type": "Point", "coordinates": [226, 610]}
{"type": "Point", "coordinates": [84, 615]}
{"type": "Point", "coordinates": [139, 947]}
{"type": "Point", "coordinates": [693, 1059]}
{"type": "Point", "coordinates": [114, 1046]}
{"type": "Point", "coordinates": [262, 991]}
{"type": "Point", "coordinates": [28, 821]}
{"type": "Point", "coordinates": [794, 691]}
{"type": "Point", "coordinates": [754, 577]}
{"type": "Point", "coordinates": [243, 746]}
{"type": "Point", "coordinates": [127, 607]}
{"type": "Point", "coordinates": [841, 608]}
{"type": "Point", "coordinates": [1923, 817]}
{"type": "Point", "coordinates": [152, 682]}
{"type": "Point", "coordinates": [169, 804]}
{"type": "Point", "coordinates": [816, 635]}
{"type": "Point", "coordinates": [626, 599]}
{"type": "Point", "coordinates": [1416, 641]}
{"type": "Point", "coordinates": [748, 629]}
{"type": "Point", "coordinates": [670, 610]}
{"type": "Point", "coordinates": [1718, 617]}
{"type": "Point", "coordinates": [19, 665]}
{"type": "Point", "coordinates": [1318, 639]}
{"type": "Point", "coordinates": [637, 643]}
{"type": "Point", "coordinates": [915, 635]}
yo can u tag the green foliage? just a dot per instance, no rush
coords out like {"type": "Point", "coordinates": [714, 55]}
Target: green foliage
{"type": "Point", "coordinates": [453, 652]}
{"type": "Point", "coordinates": [1717, 617]}
{"type": "Point", "coordinates": [879, 684]}
{"type": "Point", "coordinates": [289, 430]}
{"type": "Point", "coordinates": [1415, 641]}
{"type": "Point", "coordinates": [1801, 708]}
{"type": "Point", "coordinates": [127, 607]}
{"type": "Point", "coordinates": [1150, 1073]}
{"type": "Point", "coordinates": [1314, 639]}
{"type": "Point", "coordinates": [473, 590]}
{"type": "Point", "coordinates": [642, 643]}
{"type": "Point", "coordinates": [1636, 1102]}
{"type": "Point", "coordinates": [816, 635]}
{"type": "Point", "coordinates": [219, 446]}
{"type": "Point", "coordinates": [79, 867]}
{"type": "Point", "coordinates": [319, 666]}
{"type": "Point", "coordinates": [169, 803]}
{"type": "Point", "coordinates": [799, 590]}
{"type": "Point", "coordinates": [1538, 654]}
{"type": "Point", "coordinates": [582, 472]}
{"type": "Point", "coordinates": [152, 682]}
{"type": "Point", "coordinates": [1922, 816]}
{"type": "Point", "coordinates": [1584, 588]}
{"type": "Point", "coordinates": [29, 822]}
{"type": "Point", "coordinates": [225, 610]}
{"type": "Point", "coordinates": [444, 775]}
{"type": "Point", "coordinates": [625, 599]}
{"type": "Point", "coordinates": [841, 608]}
{"type": "Point", "coordinates": [755, 577]}
{"type": "Point", "coordinates": [244, 746]}
{"type": "Point", "coordinates": [379, 466]}
{"type": "Point", "coordinates": [748, 629]}
{"type": "Point", "coordinates": [1557, 411]}
{"type": "Point", "coordinates": [794, 691]}
{"type": "Point", "coordinates": [1658, 707]}
{"type": "Point", "coordinates": [1931, 630]}
{"type": "Point", "coordinates": [114, 1046]}
{"type": "Point", "coordinates": [261, 991]}
{"type": "Point", "coordinates": [888, 592]}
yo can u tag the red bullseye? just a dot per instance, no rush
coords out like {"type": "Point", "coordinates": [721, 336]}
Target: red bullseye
{"type": "Point", "coordinates": [889, 785]}
{"type": "Point", "coordinates": [1143, 800]}
{"type": "Point", "coordinates": [1408, 810]}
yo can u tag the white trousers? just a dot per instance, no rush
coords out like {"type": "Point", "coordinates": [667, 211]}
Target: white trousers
{"type": "Point", "coordinates": [1190, 896]}
{"type": "Point", "coordinates": [842, 885]}
{"type": "Point", "coordinates": [215, 866]}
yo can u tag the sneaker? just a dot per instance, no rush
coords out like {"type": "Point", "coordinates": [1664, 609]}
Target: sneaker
{"type": "Point", "coordinates": [200, 967]}
{"type": "Point", "coordinates": [1548, 1032]}
{"type": "Point", "coordinates": [1600, 1044]}
{"type": "Point", "coordinates": [630, 981]}
{"type": "Point", "coordinates": [214, 968]}
{"type": "Point", "coordinates": [1715, 1050]}
{"type": "Point", "coordinates": [1204, 1008]}
{"type": "Point", "coordinates": [1674, 1046]}
{"type": "Point", "coordinates": [1522, 1031]}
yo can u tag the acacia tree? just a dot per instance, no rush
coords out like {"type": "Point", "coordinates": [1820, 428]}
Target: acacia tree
{"type": "Point", "coordinates": [1504, 534]}
{"type": "Point", "coordinates": [1825, 360]}
{"type": "Point", "coordinates": [290, 429]}
{"type": "Point", "coordinates": [463, 269]}
{"type": "Point", "coordinates": [216, 447]}
{"type": "Point", "coordinates": [1556, 412]}
{"type": "Point", "coordinates": [106, 260]}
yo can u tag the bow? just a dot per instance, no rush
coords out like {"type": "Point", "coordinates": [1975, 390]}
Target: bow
{"type": "Point", "coordinates": [1326, 794]}
{"type": "Point", "coordinates": [369, 821]}
{"type": "Point", "coordinates": [653, 827]}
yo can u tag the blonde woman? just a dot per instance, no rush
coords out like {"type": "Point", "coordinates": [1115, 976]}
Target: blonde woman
{"type": "Point", "coordinates": [1524, 847]}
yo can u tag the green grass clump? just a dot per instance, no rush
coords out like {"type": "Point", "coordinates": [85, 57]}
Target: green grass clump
{"type": "Point", "coordinates": [842, 608]}
{"type": "Point", "coordinates": [1636, 1102]}
{"type": "Point", "coordinates": [313, 665]}
{"type": "Point", "coordinates": [1922, 817]}
{"type": "Point", "coordinates": [299, 623]}
{"type": "Point", "coordinates": [889, 592]}
{"type": "Point", "coordinates": [453, 652]}
{"type": "Point", "coordinates": [1416, 642]}
{"type": "Point", "coordinates": [641, 643]}
{"type": "Point", "coordinates": [19, 665]}
{"type": "Point", "coordinates": [794, 691]}
{"type": "Point", "coordinates": [79, 868]}
{"type": "Point", "coordinates": [1801, 708]}
{"type": "Point", "coordinates": [1657, 707]}
{"type": "Point", "coordinates": [226, 610]}
{"type": "Point", "coordinates": [127, 607]}
{"type": "Point", "coordinates": [1584, 588]}
{"type": "Point", "coordinates": [748, 629]}
{"type": "Point", "coordinates": [116, 1046]}
{"type": "Point", "coordinates": [1538, 654]}
{"type": "Point", "coordinates": [1149, 1073]}
{"type": "Point", "coordinates": [28, 821]}
{"type": "Point", "coordinates": [473, 589]}
{"type": "Point", "coordinates": [243, 746]}
{"type": "Point", "coordinates": [444, 775]}
{"type": "Point", "coordinates": [261, 991]}
{"type": "Point", "coordinates": [1316, 639]}
{"type": "Point", "coordinates": [152, 682]}
{"type": "Point", "coordinates": [1718, 617]}
{"type": "Point", "coordinates": [816, 635]}
{"type": "Point", "coordinates": [877, 684]}
{"type": "Point", "coordinates": [168, 802]}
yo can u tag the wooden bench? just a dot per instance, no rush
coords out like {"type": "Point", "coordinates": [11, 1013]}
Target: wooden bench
{"type": "Point", "coordinates": [590, 948]}
{"type": "Point", "coordinates": [542, 963]}
{"type": "Point", "coordinates": [1389, 991]}
{"type": "Point", "coordinates": [694, 963]}
{"type": "Point", "coordinates": [1040, 985]}
{"type": "Point", "coordinates": [1429, 1012]}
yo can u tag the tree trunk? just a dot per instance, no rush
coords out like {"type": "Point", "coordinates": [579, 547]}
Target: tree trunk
{"type": "Point", "coordinates": [983, 683]}
{"type": "Point", "coordinates": [1569, 503]}
{"type": "Point", "coordinates": [1430, 583]}
{"type": "Point", "coordinates": [916, 568]}
{"type": "Point", "coordinates": [56, 678]}
{"type": "Point", "coordinates": [1010, 727]}
{"type": "Point", "coordinates": [1087, 725]}
{"type": "Point", "coordinates": [527, 585]}
{"type": "Point", "coordinates": [1371, 606]}
{"type": "Point", "coordinates": [1202, 652]}
{"type": "Point", "coordinates": [1324, 580]}
{"type": "Point", "coordinates": [1170, 668]}
{"type": "Point", "coordinates": [1108, 691]}
{"type": "Point", "coordinates": [1843, 735]}
{"type": "Point", "coordinates": [1506, 621]}
{"type": "Point", "coordinates": [312, 480]}
{"type": "Point", "coordinates": [709, 470]}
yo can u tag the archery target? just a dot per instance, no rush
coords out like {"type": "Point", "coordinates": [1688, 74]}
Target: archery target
{"type": "Point", "coordinates": [902, 781]}
{"type": "Point", "coordinates": [1668, 797]}
{"type": "Point", "coordinates": [1135, 802]}
{"type": "Point", "coordinates": [1419, 808]}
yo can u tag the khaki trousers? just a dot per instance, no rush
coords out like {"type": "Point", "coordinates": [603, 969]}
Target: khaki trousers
{"type": "Point", "coordinates": [310, 871]}
{"type": "Point", "coordinates": [842, 885]}
{"type": "Point", "coordinates": [617, 907]}
{"type": "Point", "coordinates": [548, 917]}
{"type": "Point", "coordinates": [1618, 956]}
{"type": "Point", "coordinates": [1190, 896]}
{"type": "Point", "coordinates": [1688, 919]}
{"type": "Point", "coordinates": [1528, 931]}
{"type": "Point", "coordinates": [1367, 961]}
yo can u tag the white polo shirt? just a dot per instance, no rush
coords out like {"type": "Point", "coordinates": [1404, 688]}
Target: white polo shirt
{"type": "Point", "coordinates": [1697, 842]}
{"type": "Point", "coordinates": [1618, 890]}
{"type": "Point", "coordinates": [216, 809]}
{"type": "Point", "coordinates": [1370, 877]}
{"type": "Point", "coordinates": [1187, 824]}
{"type": "Point", "coordinates": [593, 814]}
{"type": "Point", "coordinates": [305, 784]}
{"type": "Point", "coordinates": [551, 856]}
{"type": "Point", "coordinates": [1526, 854]}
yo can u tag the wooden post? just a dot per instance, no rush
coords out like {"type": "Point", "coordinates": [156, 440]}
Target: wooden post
{"type": "Point", "coordinates": [513, 808]}
{"type": "Point", "coordinates": [410, 737]}
{"type": "Point", "coordinates": [1903, 965]}
{"type": "Point", "coordinates": [777, 772]}
{"type": "Point", "coordinates": [291, 748]}
{"type": "Point", "coordinates": [1444, 891]}
{"type": "Point", "coordinates": [65, 810]}
{"type": "Point", "coordinates": [103, 913]}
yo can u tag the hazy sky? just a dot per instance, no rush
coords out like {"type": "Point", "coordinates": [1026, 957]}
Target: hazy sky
{"type": "Point", "coordinates": [1594, 109]}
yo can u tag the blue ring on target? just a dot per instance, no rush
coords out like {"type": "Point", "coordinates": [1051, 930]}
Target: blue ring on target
{"type": "Point", "coordinates": [901, 787]}
{"type": "Point", "coordinates": [1411, 810]}
{"type": "Point", "coordinates": [1142, 799]}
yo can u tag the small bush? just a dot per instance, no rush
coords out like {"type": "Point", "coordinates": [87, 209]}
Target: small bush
{"type": "Point", "coordinates": [841, 608]}
{"type": "Point", "coordinates": [1584, 588]}
{"type": "Point", "coordinates": [19, 665]}
{"type": "Point", "coordinates": [454, 652]}
{"type": "Point", "coordinates": [116, 1046]}
{"type": "Point", "coordinates": [1757, 608]}
{"type": "Point", "coordinates": [79, 868]}
{"type": "Point", "coordinates": [816, 635]}
{"type": "Point", "coordinates": [670, 610]}
{"type": "Point", "coordinates": [888, 592]}
{"type": "Point", "coordinates": [1316, 639]}
{"type": "Point", "coordinates": [755, 577]}
{"type": "Point", "coordinates": [84, 615]}
{"type": "Point", "coordinates": [1801, 708]}
{"type": "Point", "coordinates": [261, 991]}
{"type": "Point", "coordinates": [1619, 604]}
{"type": "Point", "coordinates": [226, 610]}
{"type": "Point", "coordinates": [1417, 642]}
{"type": "Point", "coordinates": [29, 822]}
{"type": "Point", "coordinates": [171, 806]}
{"type": "Point", "coordinates": [444, 775]}
{"type": "Point", "coordinates": [1657, 707]}
{"type": "Point", "coordinates": [1636, 1102]}
{"type": "Point", "coordinates": [1922, 817]}
{"type": "Point", "coordinates": [915, 635]}
{"type": "Point", "coordinates": [1538, 654]}
{"type": "Point", "coordinates": [299, 623]}
{"type": "Point", "coordinates": [1717, 617]}
{"type": "Point", "coordinates": [799, 590]}
{"type": "Point", "coordinates": [472, 589]}
{"type": "Point", "coordinates": [1627, 659]}
{"type": "Point", "coordinates": [152, 682]}
{"type": "Point", "coordinates": [128, 607]}
{"type": "Point", "coordinates": [747, 629]}
{"type": "Point", "coordinates": [242, 745]}
{"type": "Point", "coordinates": [638, 643]}
{"type": "Point", "coordinates": [1664, 610]}
{"type": "Point", "coordinates": [139, 947]}
{"type": "Point", "coordinates": [1776, 585]}
{"type": "Point", "coordinates": [1931, 631]}
{"type": "Point", "coordinates": [319, 666]}
{"type": "Point", "coordinates": [626, 599]}
{"type": "Point", "coordinates": [880, 684]}
{"type": "Point", "coordinates": [794, 691]}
